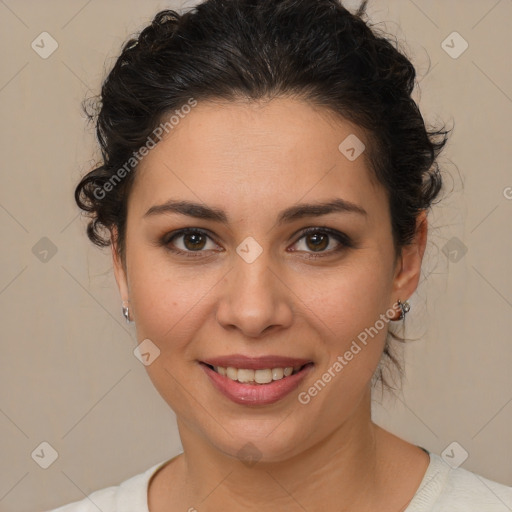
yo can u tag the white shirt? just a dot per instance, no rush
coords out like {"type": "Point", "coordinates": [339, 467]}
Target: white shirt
{"type": "Point", "coordinates": [442, 489]}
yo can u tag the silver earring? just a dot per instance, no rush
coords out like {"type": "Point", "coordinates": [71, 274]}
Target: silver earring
{"type": "Point", "coordinates": [126, 311]}
{"type": "Point", "coordinates": [404, 309]}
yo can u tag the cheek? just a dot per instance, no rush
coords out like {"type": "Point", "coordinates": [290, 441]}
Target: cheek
{"type": "Point", "coordinates": [354, 338]}
{"type": "Point", "coordinates": [351, 299]}
{"type": "Point", "coordinates": [168, 299]}
{"type": "Point", "coordinates": [167, 309]}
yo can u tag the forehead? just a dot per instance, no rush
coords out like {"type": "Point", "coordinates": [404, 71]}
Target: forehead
{"type": "Point", "coordinates": [251, 154]}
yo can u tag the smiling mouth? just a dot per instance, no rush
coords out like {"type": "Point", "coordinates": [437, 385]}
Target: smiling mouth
{"type": "Point", "coordinates": [257, 377]}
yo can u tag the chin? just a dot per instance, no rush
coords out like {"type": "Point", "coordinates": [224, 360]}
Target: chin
{"type": "Point", "coordinates": [261, 440]}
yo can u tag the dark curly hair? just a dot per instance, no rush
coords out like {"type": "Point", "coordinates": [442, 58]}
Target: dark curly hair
{"type": "Point", "coordinates": [314, 50]}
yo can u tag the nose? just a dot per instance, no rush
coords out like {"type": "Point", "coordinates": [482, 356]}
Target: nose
{"type": "Point", "coordinates": [255, 299]}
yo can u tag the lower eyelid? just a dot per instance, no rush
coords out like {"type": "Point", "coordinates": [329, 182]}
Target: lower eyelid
{"type": "Point", "coordinates": [338, 240]}
{"type": "Point", "coordinates": [170, 243]}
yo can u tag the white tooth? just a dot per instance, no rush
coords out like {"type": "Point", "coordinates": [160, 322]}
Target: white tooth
{"type": "Point", "coordinates": [277, 373]}
{"type": "Point", "coordinates": [263, 376]}
{"type": "Point", "coordinates": [245, 375]}
{"type": "Point", "coordinates": [259, 376]}
{"type": "Point", "coordinates": [232, 373]}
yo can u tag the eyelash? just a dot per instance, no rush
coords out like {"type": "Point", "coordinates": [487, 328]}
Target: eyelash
{"type": "Point", "coordinates": [344, 241]}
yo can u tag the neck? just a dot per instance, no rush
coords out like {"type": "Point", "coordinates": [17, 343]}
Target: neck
{"type": "Point", "coordinates": [339, 473]}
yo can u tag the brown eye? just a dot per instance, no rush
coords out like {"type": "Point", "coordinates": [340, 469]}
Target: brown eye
{"type": "Point", "coordinates": [194, 241]}
{"type": "Point", "coordinates": [189, 240]}
{"type": "Point", "coordinates": [319, 241]}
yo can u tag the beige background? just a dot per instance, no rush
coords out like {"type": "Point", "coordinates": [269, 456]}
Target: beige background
{"type": "Point", "coordinates": [68, 371]}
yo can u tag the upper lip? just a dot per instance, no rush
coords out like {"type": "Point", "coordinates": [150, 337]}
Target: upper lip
{"type": "Point", "coordinates": [255, 363]}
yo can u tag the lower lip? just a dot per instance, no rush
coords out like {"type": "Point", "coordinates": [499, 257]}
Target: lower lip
{"type": "Point", "coordinates": [256, 394]}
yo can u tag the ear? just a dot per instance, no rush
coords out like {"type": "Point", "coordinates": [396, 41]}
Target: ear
{"type": "Point", "coordinates": [408, 268]}
{"type": "Point", "coordinates": [119, 268]}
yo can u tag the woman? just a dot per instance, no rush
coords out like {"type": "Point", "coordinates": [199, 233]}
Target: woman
{"type": "Point", "coordinates": [265, 184]}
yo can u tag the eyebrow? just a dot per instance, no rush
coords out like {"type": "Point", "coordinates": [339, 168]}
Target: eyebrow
{"type": "Point", "coordinates": [200, 211]}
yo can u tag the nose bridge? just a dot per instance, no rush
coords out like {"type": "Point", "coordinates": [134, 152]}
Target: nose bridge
{"type": "Point", "coordinates": [252, 267]}
{"type": "Point", "coordinates": [254, 299]}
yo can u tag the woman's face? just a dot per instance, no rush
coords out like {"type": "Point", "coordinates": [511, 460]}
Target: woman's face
{"type": "Point", "coordinates": [247, 289]}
